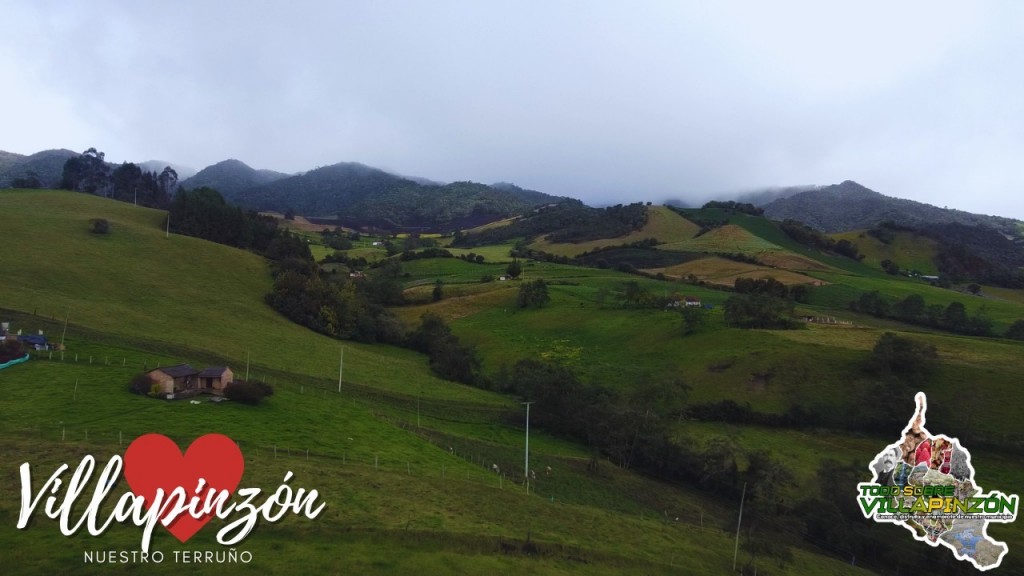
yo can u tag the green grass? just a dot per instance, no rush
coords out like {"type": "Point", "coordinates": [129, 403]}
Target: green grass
{"type": "Point", "coordinates": [177, 291]}
{"type": "Point", "coordinates": [384, 485]}
{"type": "Point", "coordinates": [663, 224]}
{"type": "Point", "coordinates": [770, 232]}
{"type": "Point", "coordinates": [730, 239]}
{"type": "Point", "coordinates": [376, 450]}
{"type": "Point", "coordinates": [721, 271]}
{"type": "Point", "coordinates": [909, 251]}
{"type": "Point", "coordinates": [846, 287]}
{"type": "Point", "coordinates": [143, 299]}
{"type": "Point", "coordinates": [492, 253]}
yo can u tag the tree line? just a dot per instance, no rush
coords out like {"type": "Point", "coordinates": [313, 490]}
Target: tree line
{"type": "Point", "coordinates": [90, 173]}
{"type": "Point", "coordinates": [568, 221]}
{"type": "Point", "coordinates": [914, 310]}
{"type": "Point", "coordinates": [808, 236]}
{"type": "Point", "coordinates": [639, 430]}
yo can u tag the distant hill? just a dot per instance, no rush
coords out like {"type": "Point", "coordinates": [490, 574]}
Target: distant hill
{"type": "Point", "coordinates": [47, 165]}
{"type": "Point", "coordinates": [8, 159]}
{"type": "Point", "coordinates": [366, 196]}
{"type": "Point", "coordinates": [230, 178]}
{"type": "Point", "coordinates": [850, 206]}
{"type": "Point", "coordinates": [157, 166]}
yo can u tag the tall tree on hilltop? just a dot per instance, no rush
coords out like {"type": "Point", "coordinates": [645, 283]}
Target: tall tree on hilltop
{"type": "Point", "coordinates": [87, 172]}
{"type": "Point", "coordinates": [167, 179]}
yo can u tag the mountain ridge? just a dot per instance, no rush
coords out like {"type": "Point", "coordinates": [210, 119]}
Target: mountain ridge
{"type": "Point", "coordinates": [358, 193]}
{"type": "Point", "coordinates": [231, 177]}
{"type": "Point", "coordinates": [851, 206]}
{"type": "Point", "coordinates": [46, 165]}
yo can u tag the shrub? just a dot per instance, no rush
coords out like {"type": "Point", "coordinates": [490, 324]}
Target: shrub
{"type": "Point", "coordinates": [1016, 330]}
{"type": "Point", "coordinates": [251, 393]}
{"type": "Point", "coordinates": [11, 350]}
{"type": "Point", "coordinates": [99, 226]}
{"type": "Point", "coordinates": [533, 294]}
{"type": "Point", "coordinates": [514, 269]}
{"type": "Point", "coordinates": [143, 384]}
{"type": "Point", "coordinates": [907, 360]}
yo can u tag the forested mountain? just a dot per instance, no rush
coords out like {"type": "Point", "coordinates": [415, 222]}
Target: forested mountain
{"type": "Point", "coordinates": [850, 206]}
{"type": "Point", "coordinates": [46, 166]}
{"type": "Point", "coordinates": [567, 221]}
{"type": "Point", "coordinates": [8, 159]}
{"type": "Point", "coordinates": [230, 178]}
{"type": "Point", "coordinates": [369, 196]}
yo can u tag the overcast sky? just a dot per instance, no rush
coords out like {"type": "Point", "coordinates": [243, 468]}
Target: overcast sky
{"type": "Point", "coordinates": [608, 102]}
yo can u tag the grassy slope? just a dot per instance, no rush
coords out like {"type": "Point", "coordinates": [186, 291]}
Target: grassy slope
{"type": "Point", "coordinates": [615, 346]}
{"type": "Point", "coordinates": [494, 253]}
{"type": "Point", "coordinates": [908, 250]}
{"type": "Point", "coordinates": [177, 291]}
{"type": "Point", "coordinates": [844, 288]}
{"type": "Point", "coordinates": [729, 238]}
{"type": "Point", "coordinates": [820, 366]}
{"type": "Point", "coordinates": [147, 299]}
{"type": "Point", "coordinates": [662, 223]}
{"type": "Point", "coordinates": [723, 272]}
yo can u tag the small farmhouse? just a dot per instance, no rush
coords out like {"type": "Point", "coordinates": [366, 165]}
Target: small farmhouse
{"type": "Point", "coordinates": [177, 378]}
{"type": "Point", "coordinates": [182, 379]}
{"type": "Point", "coordinates": [691, 301]}
{"type": "Point", "coordinates": [215, 378]}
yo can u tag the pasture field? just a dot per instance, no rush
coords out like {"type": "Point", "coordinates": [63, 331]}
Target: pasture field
{"type": "Point", "coordinates": [618, 347]}
{"type": "Point", "coordinates": [842, 288]}
{"type": "Point", "coordinates": [663, 224]}
{"type": "Point", "coordinates": [401, 496]}
{"type": "Point", "coordinates": [404, 459]}
{"type": "Point", "coordinates": [909, 251]}
{"type": "Point", "coordinates": [724, 272]}
{"type": "Point", "coordinates": [179, 291]}
{"type": "Point", "coordinates": [770, 232]}
{"type": "Point", "coordinates": [729, 238]}
{"type": "Point", "coordinates": [493, 253]}
{"type": "Point", "coordinates": [495, 224]}
{"type": "Point", "coordinates": [390, 486]}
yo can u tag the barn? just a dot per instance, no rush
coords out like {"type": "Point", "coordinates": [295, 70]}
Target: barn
{"type": "Point", "coordinates": [174, 379]}
{"type": "Point", "coordinates": [215, 378]}
{"type": "Point", "coordinates": [183, 379]}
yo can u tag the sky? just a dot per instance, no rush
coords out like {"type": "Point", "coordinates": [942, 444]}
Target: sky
{"type": "Point", "coordinates": [604, 101]}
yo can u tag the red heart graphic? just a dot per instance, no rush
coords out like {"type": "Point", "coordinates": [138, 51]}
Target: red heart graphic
{"type": "Point", "coordinates": [154, 461]}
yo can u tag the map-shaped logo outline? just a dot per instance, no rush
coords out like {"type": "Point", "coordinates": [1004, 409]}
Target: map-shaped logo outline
{"type": "Point", "coordinates": [896, 452]}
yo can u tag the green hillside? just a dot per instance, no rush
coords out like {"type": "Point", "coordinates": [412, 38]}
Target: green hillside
{"type": "Point", "coordinates": [177, 292]}
{"type": "Point", "coordinates": [908, 250]}
{"type": "Point", "coordinates": [404, 459]}
{"type": "Point", "coordinates": [663, 224]}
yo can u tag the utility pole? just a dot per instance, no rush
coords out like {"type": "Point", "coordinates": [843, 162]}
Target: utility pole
{"type": "Point", "coordinates": [341, 368]}
{"type": "Point", "coordinates": [65, 331]}
{"type": "Point", "coordinates": [736, 552]}
{"type": "Point", "coordinates": [526, 468]}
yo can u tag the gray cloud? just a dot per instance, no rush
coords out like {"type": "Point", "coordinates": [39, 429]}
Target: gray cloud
{"type": "Point", "coordinates": [597, 100]}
